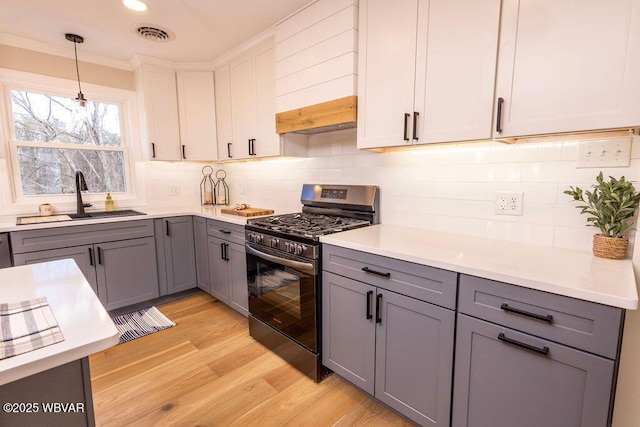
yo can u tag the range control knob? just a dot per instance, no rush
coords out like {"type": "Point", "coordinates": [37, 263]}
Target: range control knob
{"type": "Point", "coordinates": [287, 246]}
{"type": "Point", "coordinates": [274, 242]}
{"type": "Point", "coordinates": [255, 238]}
{"type": "Point", "coordinates": [299, 249]}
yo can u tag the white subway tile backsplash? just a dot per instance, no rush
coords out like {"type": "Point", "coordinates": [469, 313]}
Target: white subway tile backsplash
{"type": "Point", "coordinates": [481, 209]}
{"type": "Point", "coordinates": [535, 234]}
{"type": "Point", "coordinates": [458, 190]}
{"type": "Point", "coordinates": [444, 187]}
{"type": "Point", "coordinates": [579, 238]}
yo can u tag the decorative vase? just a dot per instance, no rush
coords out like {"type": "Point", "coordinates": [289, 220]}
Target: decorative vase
{"type": "Point", "coordinates": [610, 247]}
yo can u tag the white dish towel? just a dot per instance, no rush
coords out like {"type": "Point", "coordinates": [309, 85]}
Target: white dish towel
{"type": "Point", "coordinates": [26, 326]}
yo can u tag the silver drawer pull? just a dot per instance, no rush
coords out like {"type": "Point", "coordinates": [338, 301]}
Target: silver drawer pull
{"type": "Point", "coordinates": [544, 350]}
{"type": "Point", "coordinates": [548, 318]}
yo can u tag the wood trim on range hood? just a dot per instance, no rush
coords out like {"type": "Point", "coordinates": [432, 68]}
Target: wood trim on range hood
{"type": "Point", "coordinates": [324, 117]}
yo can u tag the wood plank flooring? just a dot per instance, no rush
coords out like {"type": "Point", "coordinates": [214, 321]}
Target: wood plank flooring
{"type": "Point", "coordinates": [208, 371]}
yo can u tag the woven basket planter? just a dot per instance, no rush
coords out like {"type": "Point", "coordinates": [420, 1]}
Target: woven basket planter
{"type": "Point", "coordinates": [610, 247]}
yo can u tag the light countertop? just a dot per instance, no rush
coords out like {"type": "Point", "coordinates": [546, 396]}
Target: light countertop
{"type": "Point", "coordinates": [571, 273]}
{"type": "Point", "coordinates": [8, 223]}
{"type": "Point", "coordinates": [85, 324]}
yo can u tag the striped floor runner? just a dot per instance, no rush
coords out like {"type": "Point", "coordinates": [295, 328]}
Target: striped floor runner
{"type": "Point", "coordinates": [140, 323]}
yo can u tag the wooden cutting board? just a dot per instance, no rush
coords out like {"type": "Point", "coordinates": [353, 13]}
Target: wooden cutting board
{"type": "Point", "coordinates": [247, 211]}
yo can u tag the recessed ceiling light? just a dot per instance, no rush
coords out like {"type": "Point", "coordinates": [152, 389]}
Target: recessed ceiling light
{"type": "Point", "coordinates": [137, 5]}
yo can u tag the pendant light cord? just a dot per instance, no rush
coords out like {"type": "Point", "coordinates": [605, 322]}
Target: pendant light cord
{"type": "Point", "coordinates": [75, 50]}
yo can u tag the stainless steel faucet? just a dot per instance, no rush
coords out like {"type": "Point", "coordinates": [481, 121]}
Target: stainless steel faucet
{"type": "Point", "coordinates": [81, 185]}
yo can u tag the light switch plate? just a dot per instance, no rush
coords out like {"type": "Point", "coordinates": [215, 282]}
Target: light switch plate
{"type": "Point", "coordinates": [599, 153]}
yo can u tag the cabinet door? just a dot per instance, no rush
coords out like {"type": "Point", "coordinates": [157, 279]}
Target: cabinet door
{"type": "Point", "coordinates": [267, 140]}
{"type": "Point", "coordinates": [218, 269]}
{"type": "Point", "coordinates": [243, 103]}
{"type": "Point", "coordinates": [239, 297]}
{"type": "Point", "coordinates": [348, 332]}
{"type": "Point", "coordinates": [498, 383]}
{"type": "Point", "coordinates": [202, 251]}
{"type": "Point", "coordinates": [568, 66]}
{"type": "Point", "coordinates": [179, 253]}
{"type": "Point", "coordinates": [457, 47]}
{"type": "Point", "coordinates": [224, 119]}
{"type": "Point", "coordinates": [83, 255]}
{"type": "Point", "coordinates": [386, 72]}
{"type": "Point", "coordinates": [197, 113]}
{"type": "Point", "coordinates": [161, 108]}
{"type": "Point", "coordinates": [414, 358]}
{"type": "Point", "coordinates": [127, 272]}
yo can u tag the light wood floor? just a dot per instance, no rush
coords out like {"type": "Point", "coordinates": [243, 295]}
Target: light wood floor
{"type": "Point", "coordinates": [208, 371]}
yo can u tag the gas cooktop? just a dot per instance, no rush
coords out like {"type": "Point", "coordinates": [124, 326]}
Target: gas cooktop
{"type": "Point", "coordinates": [309, 225]}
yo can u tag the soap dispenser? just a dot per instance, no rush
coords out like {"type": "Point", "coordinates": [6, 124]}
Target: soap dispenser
{"type": "Point", "coordinates": [108, 204]}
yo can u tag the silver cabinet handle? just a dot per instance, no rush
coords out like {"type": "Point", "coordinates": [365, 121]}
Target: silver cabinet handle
{"type": "Point", "coordinates": [302, 266]}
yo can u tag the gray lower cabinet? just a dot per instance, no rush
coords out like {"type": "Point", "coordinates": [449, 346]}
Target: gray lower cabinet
{"type": "Point", "coordinates": [83, 256]}
{"type": "Point", "coordinates": [526, 381]}
{"type": "Point", "coordinates": [393, 346]}
{"type": "Point", "coordinates": [176, 254]}
{"type": "Point", "coordinates": [118, 259]}
{"type": "Point", "coordinates": [529, 358]}
{"type": "Point", "coordinates": [201, 253]}
{"type": "Point", "coordinates": [127, 272]}
{"type": "Point", "coordinates": [228, 265]}
{"type": "Point", "coordinates": [60, 396]}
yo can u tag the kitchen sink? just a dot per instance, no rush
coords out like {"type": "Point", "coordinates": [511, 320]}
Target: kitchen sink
{"type": "Point", "coordinates": [74, 217]}
{"type": "Point", "coordinates": [105, 214]}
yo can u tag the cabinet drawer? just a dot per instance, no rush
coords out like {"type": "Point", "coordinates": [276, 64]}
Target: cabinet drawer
{"type": "Point", "coordinates": [507, 378]}
{"type": "Point", "coordinates": [418, 281]}
{"type": "Point", "coordinates": [225, 230]}
{"type": "Point", "coordinates": [76, 235]}
{"type": "Point", "coordinates": [585, 325]}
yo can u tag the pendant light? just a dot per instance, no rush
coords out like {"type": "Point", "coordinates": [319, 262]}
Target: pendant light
{"type": "Point", "coordinates": [77, 39]}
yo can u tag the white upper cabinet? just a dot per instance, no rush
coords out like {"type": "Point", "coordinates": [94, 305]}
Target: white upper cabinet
{"type": "Point", "coordinates": [197, 115]}
{"type": "Point", "coordinates": [565, 66]}
{"type": "Point", "coordinates": [267, 141]}
{"type": "Point", "coordinates": [161, 112]}
{"type": "Point", "coordinates": [246, 108]}
{"type": "Point", "coordinates": [224, 124]}
{"type": "Point", "coordinates": [243, 104]}
{"type": "Point", "coordinates": [179, 109]}
{"type": "Point", "coordinates": [426, 71]}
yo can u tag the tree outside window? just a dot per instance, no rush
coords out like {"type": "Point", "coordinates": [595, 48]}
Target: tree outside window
{"type": "Point", "coordinates": [54, 138]}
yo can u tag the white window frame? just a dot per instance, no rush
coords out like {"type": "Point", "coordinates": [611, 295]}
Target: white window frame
{"type": "Point", "coordinates": [11, 198]}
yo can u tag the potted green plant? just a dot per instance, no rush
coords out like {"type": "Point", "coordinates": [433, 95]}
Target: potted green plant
{"type": "Point", "coordinates": [610, 207]}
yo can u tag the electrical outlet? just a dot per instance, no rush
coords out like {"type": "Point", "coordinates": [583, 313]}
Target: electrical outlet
{"type": "Point", "coordinates": [509, 203]}
{"type": "Point", "coordinates": [174, 190]}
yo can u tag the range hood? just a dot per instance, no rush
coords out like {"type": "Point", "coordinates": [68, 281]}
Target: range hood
{"type": "Point", "coordinates": [327, 116]}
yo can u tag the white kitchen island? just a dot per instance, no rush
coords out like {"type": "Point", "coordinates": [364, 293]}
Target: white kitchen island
{"type": "Point", "coordinates": [51, 385]}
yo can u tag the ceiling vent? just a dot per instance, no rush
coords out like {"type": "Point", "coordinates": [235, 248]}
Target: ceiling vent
{"type": "Point", "coordinates": [152, 33]}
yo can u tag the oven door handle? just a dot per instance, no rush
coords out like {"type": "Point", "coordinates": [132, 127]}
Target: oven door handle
{"type": "Point", "coordinates": [302, 266]}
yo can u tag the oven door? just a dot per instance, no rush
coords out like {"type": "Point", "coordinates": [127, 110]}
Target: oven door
{"type": "Point", "coordinates": [283, 293]}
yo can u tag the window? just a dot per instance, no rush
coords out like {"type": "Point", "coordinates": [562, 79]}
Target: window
{"type": "Point", "coordinates": [52, 138]}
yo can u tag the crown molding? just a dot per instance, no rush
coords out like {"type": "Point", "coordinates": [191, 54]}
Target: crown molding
{"type": "Point", "coordinates": [136, 60]}
{"type": "Point", "coordinates": [244, 47]}
{"type": "Point", "coordinates": [65, 52]}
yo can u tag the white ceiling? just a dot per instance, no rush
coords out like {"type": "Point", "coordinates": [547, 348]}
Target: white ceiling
{"type": "Point", "coordinates": [203, 29]}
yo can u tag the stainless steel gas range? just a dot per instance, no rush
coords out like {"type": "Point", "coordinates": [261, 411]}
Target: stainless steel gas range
{"type": "Point", "coordinates": [283, 269]}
